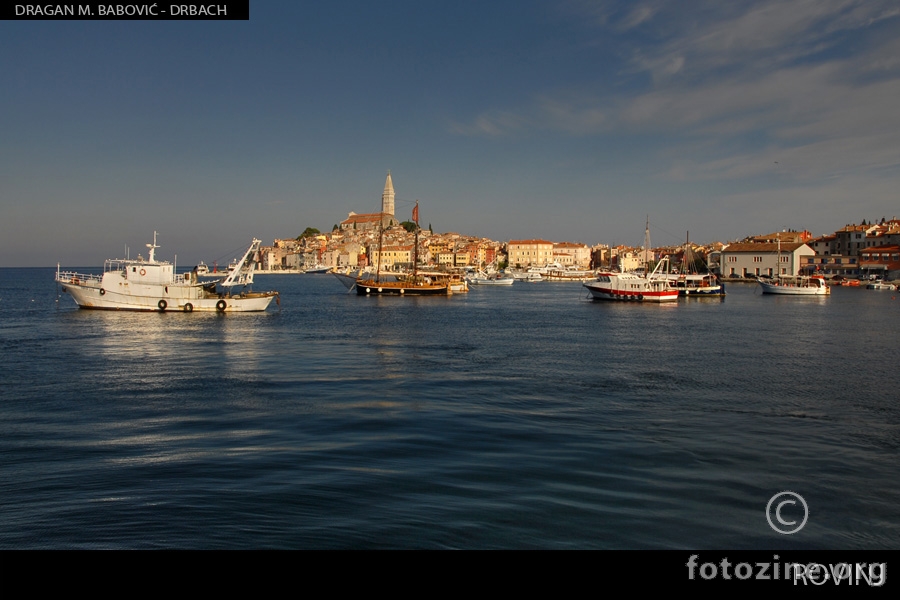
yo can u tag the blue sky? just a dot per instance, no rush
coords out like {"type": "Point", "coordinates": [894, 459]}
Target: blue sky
{"type": "Point", "coordinates": [568, 120]}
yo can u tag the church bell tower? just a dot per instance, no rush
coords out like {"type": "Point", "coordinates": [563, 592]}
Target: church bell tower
{"type": "Point", "coordinates": [387, 196]}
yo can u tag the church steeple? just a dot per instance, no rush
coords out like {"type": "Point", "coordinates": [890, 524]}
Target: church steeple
{"type": "Point", "coordinates": [387, 196]}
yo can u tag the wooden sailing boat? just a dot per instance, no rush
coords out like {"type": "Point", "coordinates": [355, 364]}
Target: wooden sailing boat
{"type": "Point", "coordinates": [414, 285]}
{"type": "Point", "coordinates": [689, 281]}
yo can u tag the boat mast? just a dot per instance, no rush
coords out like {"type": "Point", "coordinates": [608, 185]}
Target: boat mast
{"type": "Point", "coordinates": [778, 258]}
{"type": "Point", "coordinates": [416, 244]}
{"type": "Point", "coordinates": [153, 248]}
{"type": "Point", "coordinates": [380, 241]}
{"type": "Point", "coordinates": [647, 246]}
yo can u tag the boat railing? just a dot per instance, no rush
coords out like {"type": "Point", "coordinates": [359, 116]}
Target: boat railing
{"type": "Point", "coordinates": [78, 278]}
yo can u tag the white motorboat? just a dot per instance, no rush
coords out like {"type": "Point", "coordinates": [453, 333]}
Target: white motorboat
{"type": "Point", "coordinates": [152, 285]}
{"type": "Point", "coordinates": [318, 268]}
{"type": "Point", "coordinates": [880, 284]}
{"type": "Point", "coordinates": [482, 278]}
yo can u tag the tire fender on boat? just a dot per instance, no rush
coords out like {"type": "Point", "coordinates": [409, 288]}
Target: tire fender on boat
{"type": "Point", "coordinates": [188, 307]}
{"type": "Point", "coordinates": [162, 304]}
{"type": "Point", "coordinates": [102, 291]}
{"type": "Point", "coordinates": [641, 297]}
{"type": "Point", "coordinates": [221, 305]}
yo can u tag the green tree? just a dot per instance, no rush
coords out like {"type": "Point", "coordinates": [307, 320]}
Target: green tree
{"type": "Point", "coordinates": [408, 226]}
{"type": "Point", "coordinates": [308, 232]}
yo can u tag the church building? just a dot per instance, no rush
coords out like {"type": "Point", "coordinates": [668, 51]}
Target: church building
{"type": "Point", "coordinates": [364, 222]}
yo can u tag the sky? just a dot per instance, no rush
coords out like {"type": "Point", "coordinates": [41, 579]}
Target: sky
{"type": "Point", "coordinates": [565, 120]}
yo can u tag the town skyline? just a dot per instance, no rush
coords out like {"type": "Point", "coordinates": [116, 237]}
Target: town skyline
{"type": "Point", "coordinates": [566, 121]}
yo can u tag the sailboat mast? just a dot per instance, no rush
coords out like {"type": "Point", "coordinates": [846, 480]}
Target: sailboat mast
{"type": "Point", "coordinates": [416, 244]}
{"type": "Point", "coordinates": [380, 241]}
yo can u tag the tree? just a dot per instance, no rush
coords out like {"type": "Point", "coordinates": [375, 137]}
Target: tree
{"type": "Point", "coordinates": [408, 226]}
{"type": "Point", "coordinates": [308, 232]}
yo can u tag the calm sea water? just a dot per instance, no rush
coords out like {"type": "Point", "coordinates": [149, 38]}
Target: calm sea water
{"type": "Point", "coordinates": [520, 417]}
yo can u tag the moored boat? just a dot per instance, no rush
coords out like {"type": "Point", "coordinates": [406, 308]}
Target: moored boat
{"type": "Point", "coordinates": [794, 285]}
{"type": "Point", "coordinates": [569, 274]}
{"type": "Point", "coordinates": [152, 285]}
{"type": "Point", "coordinates": [694, 278]}
{"type": "Point", "coordinates": [800, 285]}
{"type": "Point", "coordinates": [879, 284]}
{"type": "Point", "coordinates": [632, 287]}
{"type": "Point", "coordinates": [482, 278]}
{"type": "Point", "coordinates": [413, 285]}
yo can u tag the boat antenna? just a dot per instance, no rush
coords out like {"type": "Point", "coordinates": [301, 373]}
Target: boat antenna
{"type": "Point", "coordinates": [647, 246]}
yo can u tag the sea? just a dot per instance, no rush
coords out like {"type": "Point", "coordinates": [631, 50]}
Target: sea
{"type": "Point", "coordinates": [520, 417]}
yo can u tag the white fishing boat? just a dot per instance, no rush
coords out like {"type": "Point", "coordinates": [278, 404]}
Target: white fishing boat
{"type": "Point", "coordinates": [794, 285]}
{"type": "Point", "coordinates": [153, 285]}
{"type": "Point", "coordinates": [800, 285]}
{"type": "Point", "coordinates": [632, 287]}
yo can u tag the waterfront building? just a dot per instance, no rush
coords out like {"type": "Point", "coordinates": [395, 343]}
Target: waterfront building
{"type": "Point", "coordinates": [529, 253]}
{"type": "Point", "coordinates": [401, 256]}
{"type": "Point", "coordinates": [882, 261]}
{"type": "Point", "coordinates": [764, 259]}
{"type": "Point", "coordinates": [570, 254]}
{"type": "Point", "coordinates": [630, 260]}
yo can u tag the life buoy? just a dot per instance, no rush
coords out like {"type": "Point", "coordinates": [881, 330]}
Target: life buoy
{"type": "Point", "coordinates": [220, 305]}
{"type": "Point", "coordinates": [162, 304]}
{"type": "Point", "coordinates": [102, 291]}
{"type": "Point", "coordinates": [143, 272]}
{"type": "Point", "coordinates": [188, 307]}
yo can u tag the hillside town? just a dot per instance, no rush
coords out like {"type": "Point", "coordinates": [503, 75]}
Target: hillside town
{"type": "Point", "coordinates": [866, 250]}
